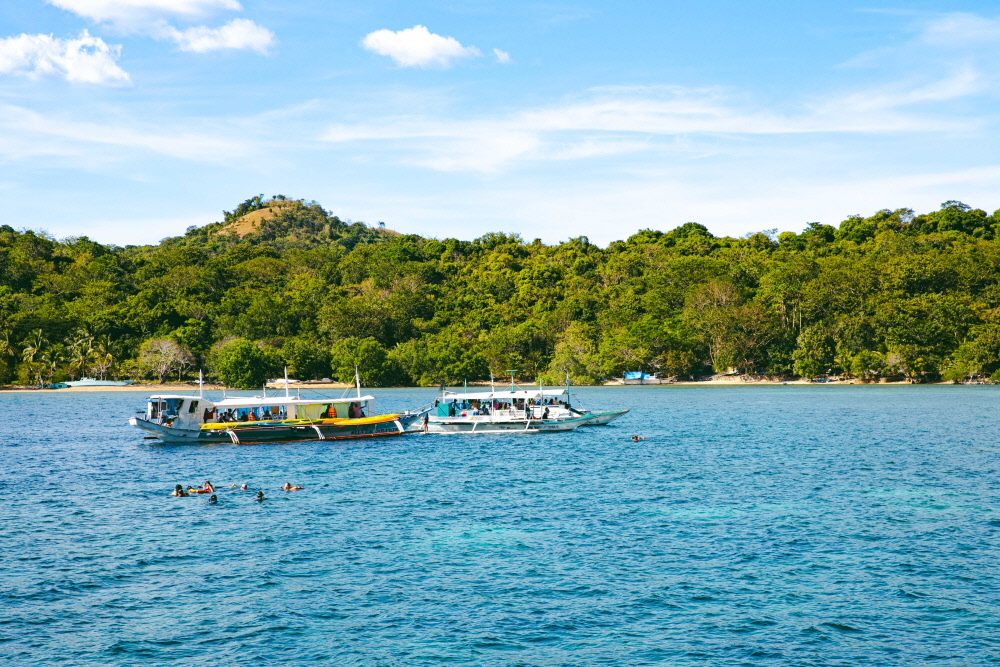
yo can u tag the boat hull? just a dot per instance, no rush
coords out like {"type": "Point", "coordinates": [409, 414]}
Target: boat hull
{"type": "Point", "coordinates": [278, 432]}
{"type": "Point", "coordinates": [602, 418]}
{"type": "Point", "coordinates": [468, 425]}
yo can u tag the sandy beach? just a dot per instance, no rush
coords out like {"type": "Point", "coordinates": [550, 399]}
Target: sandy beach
{"type": "Point", "coordinates": [184, 388]}
{"type": "Point", "coordinates": [168, 388]}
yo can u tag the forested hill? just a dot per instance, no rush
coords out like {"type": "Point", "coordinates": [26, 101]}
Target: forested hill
{"type": "Point", "coordinates": [284, 282]}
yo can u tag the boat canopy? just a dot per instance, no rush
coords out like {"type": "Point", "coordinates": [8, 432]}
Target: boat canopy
{"type": "Point", "coordinates": [503, 395]}
{"type": "Point", "coordinates": [257, 401]}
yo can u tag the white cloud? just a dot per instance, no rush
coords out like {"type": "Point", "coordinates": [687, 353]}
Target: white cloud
{"type": "Point", "coordinates": [237, 34]}
{"type": "Point", "coordinates": [616, 121]}
{"type": "Point", "coordinates": [48, 135]}
{"type": "Point", "coordinates": [960, 30]}
{"type": "Point", "coordinates": [417, 47]}
{"type": "Point", "coordinates": [130, 13]}
{"type": "Point", "coordinates": [502, 57]}
{"type": "Point", "coordinates": [84, 59]}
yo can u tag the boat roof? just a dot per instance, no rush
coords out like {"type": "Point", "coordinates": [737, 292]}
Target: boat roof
{"type": "Point", "coordinates": [253, 401]}
{"type": "Point", "coordinates": [505, 394]}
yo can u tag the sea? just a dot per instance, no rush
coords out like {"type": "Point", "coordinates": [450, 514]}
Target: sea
{"type": "Point", "coordinates": [754, 525]}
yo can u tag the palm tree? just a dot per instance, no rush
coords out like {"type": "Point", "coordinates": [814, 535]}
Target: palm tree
{"type": "Point", "coordinates": [103, 358]}
{"type": "Point", "coordinates": [81, 352]}
{"type": "Point", "coordinates": [32, 348]}
{"type": "Point", "coordinates": [5, 347]}
{"type": "Point", "coordinates": [50, 364]}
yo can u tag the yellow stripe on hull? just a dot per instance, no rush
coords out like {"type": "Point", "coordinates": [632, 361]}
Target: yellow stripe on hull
{"type": "Point", "coordinates": [338, 421]}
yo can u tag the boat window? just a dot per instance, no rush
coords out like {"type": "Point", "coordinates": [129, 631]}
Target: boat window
{"type": "Point", "coordinates": [193, 406]}
{"type": "Point", "coordinates": [314, 411]}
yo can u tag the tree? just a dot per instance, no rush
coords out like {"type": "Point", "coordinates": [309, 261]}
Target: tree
{"type": "Point", "coordinates": [306, 359]}
{"type": "Point", "coordinates": [367, 356]}
{"type": "Point", "coordinates": [814, 354]}
{"type": "Point", "coordinates": [162, 355]}
{"type": "Point", "coordinates": [81, 351]}
{"type": "Point", "coordinates": [31, 352]}
{"type": "Point", "coordinates": [103, 358]}
{"type": "Point", "coordinates": [244, 364]}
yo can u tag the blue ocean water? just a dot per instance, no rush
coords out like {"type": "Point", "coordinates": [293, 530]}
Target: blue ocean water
{"type": "Point", "coordinates": [757, 525]}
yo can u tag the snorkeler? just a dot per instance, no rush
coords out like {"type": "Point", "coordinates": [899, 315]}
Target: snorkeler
{"type": "Point", "coordinates": [179, 492]}
{"type": "Point", "coordinates": [213, 500]}
{"type": "Point", "coordinates": [260, 497]}
{"type": "Point", "coordinates": [637, 438]}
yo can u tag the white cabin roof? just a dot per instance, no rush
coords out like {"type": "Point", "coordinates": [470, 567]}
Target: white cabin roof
{"type": "Point", "coordinates": [257, 401]}
{"type": "Point", "coordinates": [504, 395]}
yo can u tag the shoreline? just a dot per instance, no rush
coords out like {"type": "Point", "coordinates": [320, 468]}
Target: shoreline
{"type": "Point", "coordinates": [167, 387]}
{"type": "Point", "coordinates": [186, 388]}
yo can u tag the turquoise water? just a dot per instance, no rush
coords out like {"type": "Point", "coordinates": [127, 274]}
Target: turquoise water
{"type": "Point", "coordinates": [767, 525]}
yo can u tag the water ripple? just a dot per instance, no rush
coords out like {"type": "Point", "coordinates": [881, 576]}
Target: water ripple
{"type": "Point", "coordinates": [756, 526]}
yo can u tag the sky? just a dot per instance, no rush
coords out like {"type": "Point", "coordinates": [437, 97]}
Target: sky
{"type": "Point", "coordinates": [130, 120]}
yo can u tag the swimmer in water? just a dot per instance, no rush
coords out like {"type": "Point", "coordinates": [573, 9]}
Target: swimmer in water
{"type": "Point", "coordinates": [289, 487]}
{"type": "Point", "coordinates": [260, 496]}
{"type": "Point", "coordinates": [179, 492]}
{"type": "Point", "coordinates": [213, 500]}
{"type": "Point", "coordinates": [243, 487]}
{"type": "Point", "coordinates": [207, 486]}
{"type": "Point", "coordinates": [637, 438]}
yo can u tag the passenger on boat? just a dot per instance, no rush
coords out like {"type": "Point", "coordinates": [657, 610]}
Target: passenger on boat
{"type": "Point", "coordinates": [331, 411]}
{"type": "Point", "coordinates": [179, 492]}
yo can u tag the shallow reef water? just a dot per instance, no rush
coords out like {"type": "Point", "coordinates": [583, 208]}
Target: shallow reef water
{"type": "Point", "coordinates": [757, 525]}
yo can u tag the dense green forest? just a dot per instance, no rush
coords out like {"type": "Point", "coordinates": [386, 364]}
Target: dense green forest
{"type": "Point", "coordinates": [283, 282]}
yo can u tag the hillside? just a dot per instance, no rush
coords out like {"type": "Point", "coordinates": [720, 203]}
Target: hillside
{"type": "Point", "coordinates": [892, 295]}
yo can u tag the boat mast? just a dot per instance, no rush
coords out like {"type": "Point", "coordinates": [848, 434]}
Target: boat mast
{"type": "Point", "coordinates": [357, 380]}
{"type": "Point", "coordinates": [512, 371]}
{"type": "Point", "coordinates": [201, 384]}
{"type": "Point", "coordinates": [286, 383]}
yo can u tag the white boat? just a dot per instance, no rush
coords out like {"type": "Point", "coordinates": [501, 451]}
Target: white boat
{"type": "Point", "coordinates": [639, 377]}
{"type": "Point", "coordinates": [534, 410]}
{"type": "Point", "coordinates": [257, 419]}
{"type": "Point", "coordinates": [93, 382]}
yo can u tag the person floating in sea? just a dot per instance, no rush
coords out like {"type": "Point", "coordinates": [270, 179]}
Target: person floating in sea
{"type": "Point", "coordinates": [637, 438]}
{"type": "Point", "coordinates": [206, 488]}
{"type": "Point", "coordinates": [179, 492]}
{"type": "Point", "coordinates": [260, 497]}
{"type": "Point", "coordinates": [243, 487]}
{"type": "Point", "coordinates": [213, 500]}
{"type": "Point", "coordinates": [289, 487]}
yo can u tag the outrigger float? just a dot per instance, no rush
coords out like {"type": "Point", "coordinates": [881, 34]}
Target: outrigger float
{"type": "Point", "coordinates": [258, 419]}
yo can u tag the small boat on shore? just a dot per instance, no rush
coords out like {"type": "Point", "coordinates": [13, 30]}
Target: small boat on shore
{"type": "Point", "coordinates": [259, 419]}
{"type": "Point", "coordinates": [94, 382]}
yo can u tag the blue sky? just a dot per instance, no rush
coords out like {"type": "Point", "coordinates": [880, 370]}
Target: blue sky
{"type": "Point", "coordinates": [129, 120]}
